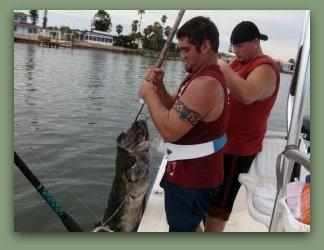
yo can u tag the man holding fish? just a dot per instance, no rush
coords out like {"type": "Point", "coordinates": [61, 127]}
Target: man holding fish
{"type": "Point", "coordinates": [192, 123]}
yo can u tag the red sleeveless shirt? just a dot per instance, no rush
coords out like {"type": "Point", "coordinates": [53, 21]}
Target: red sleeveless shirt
{"type": "Point", "coordinates": [247, 124]}
{"type": "Point", "coordinates": [203, 172]}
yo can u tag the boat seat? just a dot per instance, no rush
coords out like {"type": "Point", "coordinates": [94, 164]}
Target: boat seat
{"type": "Point", "coordinates": [264, 195]}
{"type": "Point", "coordinates": [260, 182]}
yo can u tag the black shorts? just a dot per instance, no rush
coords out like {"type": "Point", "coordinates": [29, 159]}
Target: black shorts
{"type": "Point", "coordinates": [185, 208]}
{"type": "Point", "coordinates": [234, 165]}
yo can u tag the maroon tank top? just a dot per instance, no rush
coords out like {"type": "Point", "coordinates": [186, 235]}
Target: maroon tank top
{"type": "Point", "coordinates": [247, 124]}
{"type": "Point", "coordinates": [203, 172]}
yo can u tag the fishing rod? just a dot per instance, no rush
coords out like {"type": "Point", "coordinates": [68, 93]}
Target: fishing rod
{"type": "Point", "coordinates": [66, 219]}
{"type": "Point", "coordinates": [164, 51]}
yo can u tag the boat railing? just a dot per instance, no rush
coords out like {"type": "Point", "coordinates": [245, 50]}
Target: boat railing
{"type": "Point", "coordinates": [295, 112]}
{"type": "Point", "coordinates": [298, 156]}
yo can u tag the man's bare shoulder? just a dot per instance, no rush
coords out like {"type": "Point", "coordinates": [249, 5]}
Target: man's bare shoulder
{"type": "Point", "coordinates": [264, 69]}
{"type": "Point", "coordinates": [204, 82]}
{"type": "Point", "coordinates": [203, 94]}
{"type": "Point", "coordinates": [263, 80]}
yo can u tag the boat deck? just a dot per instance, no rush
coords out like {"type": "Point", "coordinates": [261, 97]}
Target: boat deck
{"type": "Point", "coordinates": [154, 219]}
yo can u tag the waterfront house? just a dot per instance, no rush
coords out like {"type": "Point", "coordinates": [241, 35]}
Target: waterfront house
{"type": "Point", "coordinates": [99, 37]}
{"type": "Point", "coordinates": [22, 27]}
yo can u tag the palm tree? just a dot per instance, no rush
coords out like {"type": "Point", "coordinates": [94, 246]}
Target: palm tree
{"type": "Point", "coordinates": [141, 13]}
{"type": "Point", "coordinates": [119, 29]}
{"type": "Point", "coordinates": [167, 31]}
{"type": "Point", "coordinates": [33, 16]}
{"type": "Point", "coordinates": [149, 29]}
{"type": "Point", "coordinates": [102, 21]}
{"type": "Point", "coordinates": [157, 28]}
{"type": "Point", "coordinates": [65, 30]}
{"type": "Point", "coordinates": [134, 26]}
{"type": "Point", "coordinates": [45, 19]}
{"type": "Point", "coordinates": [146, 32]}
{"type": "Point", "coordinates": [163, 19]}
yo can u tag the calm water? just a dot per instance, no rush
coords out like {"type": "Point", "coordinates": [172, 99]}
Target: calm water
{"type": "Point", "coordinates": [69, 107]}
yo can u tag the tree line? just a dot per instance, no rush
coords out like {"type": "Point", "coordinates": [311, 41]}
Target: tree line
{"type": "Point", "coordinates": [153, 36]}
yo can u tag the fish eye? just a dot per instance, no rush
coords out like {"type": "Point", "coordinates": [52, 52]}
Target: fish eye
{"type": "Point", "coordinates": [131, 161]}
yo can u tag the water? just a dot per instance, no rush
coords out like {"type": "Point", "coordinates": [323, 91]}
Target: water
{"type": "Point", "coordinates": [69, 107]}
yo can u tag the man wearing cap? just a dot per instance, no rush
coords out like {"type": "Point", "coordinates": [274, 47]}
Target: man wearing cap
{"type": "Point", "coordinates": [253, 82]}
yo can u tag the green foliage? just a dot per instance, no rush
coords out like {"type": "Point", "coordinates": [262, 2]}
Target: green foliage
{"type": "Point", "coordinates": [134, 26]}
{"type": "Point", "coordinates": [126, 41]}
{"type": "Point", "coordinates": [65, 29]}
{"type": "Point", "coordinates": [102, 21]}
{"type": "Point", "coordinates": [167, 31]}
{"type": "Point", "coordinates": [52, 28]}
{"type": "Point", "coordinates": [54, 33]}
{"type": "Point", "coordinates": [133, 46]}
{"type": "Point", "coordinates": [148, 30]}
{"type": "Point", "coordinates": [152, 37]}
{"type": "Point", "coordinates": [33, 16]}
{"type": "Point", "coordinates": [292, 61]}
{"type": "Point", "coordinates": [136, 35]}
{"type": "Point", "coordinates": [141, 13]}
{"type": "Point", "coordinates": [163, 19]}
{"type": "Point", "coordinates": [119, 29]}
{"type": "Point", "coordinates": [45, 19]}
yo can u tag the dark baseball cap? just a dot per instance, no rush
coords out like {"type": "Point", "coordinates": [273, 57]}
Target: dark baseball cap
{"type": "Point", "coordinates": [246, 31]}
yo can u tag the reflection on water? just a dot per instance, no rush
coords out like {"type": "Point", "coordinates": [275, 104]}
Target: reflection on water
{"type": "Point", "coordinates": [29, 71]}
{"type": "Point", "coordinates": [30, 62]}
{"type": "Point", "coordinates": [78, 102]}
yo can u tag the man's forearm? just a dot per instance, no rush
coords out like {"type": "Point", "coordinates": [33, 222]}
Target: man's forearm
{"type": "Point", "coordinates": [159, 114]}
{"type": "Point", "coordinates": [237, 85]}
{"type": "Point", "coordinates": [165, 97]}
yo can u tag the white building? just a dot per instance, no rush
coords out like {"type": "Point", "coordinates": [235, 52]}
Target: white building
{"type": "Point", "coordinates": [139, 42]}
{"type": "Point", "coordinates": [99, 37]}
{"type": "Point", "coordinates": [22, 27]}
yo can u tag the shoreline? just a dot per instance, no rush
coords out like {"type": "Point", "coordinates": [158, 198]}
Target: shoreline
{"type": "Point", "coordinates": [109, 48]}
{"type": "Point", "coordinates": [85, 45]}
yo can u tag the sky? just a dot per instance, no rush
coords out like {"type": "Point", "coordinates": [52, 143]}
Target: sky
{"type": "Point", "coordinates": [283, 27]}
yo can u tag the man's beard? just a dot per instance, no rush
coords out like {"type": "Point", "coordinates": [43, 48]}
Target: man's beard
{"type": "Point", "coordinates": [188, 68]}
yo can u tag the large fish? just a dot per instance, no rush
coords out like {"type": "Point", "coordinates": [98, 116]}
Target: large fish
{"type": "Point", "coordinates": [127, 198]}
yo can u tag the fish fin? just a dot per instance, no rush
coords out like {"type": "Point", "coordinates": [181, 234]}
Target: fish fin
{"type": "Point", "coordinates": [143, 146]}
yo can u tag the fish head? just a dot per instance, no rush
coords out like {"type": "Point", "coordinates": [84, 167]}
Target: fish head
{"type": "Point", "coordinates": [134, 136]}
{"type": "Point", "coordinates": [133, 152]}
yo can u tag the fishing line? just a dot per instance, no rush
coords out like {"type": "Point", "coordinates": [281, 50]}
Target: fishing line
{"type": "Point", "coordinates": [120, 206]}
{"type": "Point", "coordinates": [67, 187]}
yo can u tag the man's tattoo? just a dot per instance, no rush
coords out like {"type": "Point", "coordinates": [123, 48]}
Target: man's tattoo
{"type": "Point", "coordinates": [186, 114]}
